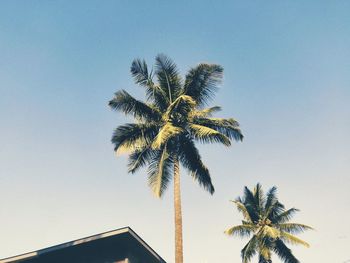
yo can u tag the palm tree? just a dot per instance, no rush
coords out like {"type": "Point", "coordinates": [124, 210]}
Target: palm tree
{"type": "Point", "coordinates": [167, 126]}
{"type": "Point", "coordinates": [265, 220]}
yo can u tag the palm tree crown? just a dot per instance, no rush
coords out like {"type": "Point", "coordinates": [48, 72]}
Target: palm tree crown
{"type": "Point", "coordinates": [168, 124]}
{"type": "Point", "coordinates": [265, 221]}
{"type": "Point", "coordinates": [172, 119]}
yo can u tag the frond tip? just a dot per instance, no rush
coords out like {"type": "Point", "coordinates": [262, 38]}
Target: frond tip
{"type": "Point", "coordinates": [139, 71]}
{"type": "Point", "coordinates": [241, 230]}
{"type": "Point", "coordinates": [206, 134]}
{"type": "Point", "coordinates": [202, 82]}
{"type": "Point", "coordinates": [127, 104]}
{"type": "Point", "coordinates": [191, 159]}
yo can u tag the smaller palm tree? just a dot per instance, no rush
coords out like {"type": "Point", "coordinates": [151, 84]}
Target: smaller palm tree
{"type": "Point", "coordinates": [266, 223]}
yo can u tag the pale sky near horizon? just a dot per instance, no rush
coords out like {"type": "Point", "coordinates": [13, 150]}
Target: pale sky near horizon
{"type": "Point", "coordinates": [287, 82]}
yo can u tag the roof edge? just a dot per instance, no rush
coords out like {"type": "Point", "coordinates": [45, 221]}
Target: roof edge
{"type": "Point", "coordinates": [75, 242]}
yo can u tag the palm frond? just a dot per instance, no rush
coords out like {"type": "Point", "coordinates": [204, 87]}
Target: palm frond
{"type": "Point", "coordinates": [292, 239]}
{"type": "Point", "coordinates": [168, 76]}
{"type": "Point", "coordinates": [191, 160]}
{"type": "Point", "coordinates": [165, 133]}
{"type": "Point", "coordinates": [228, 127]}
{"type": "Point", "coordinates": [159, 172]}
{"type": "Point", "coordinates": [179, 109]}
{"type": "Point", "coordinates": [271, 196]}
{"type": "Point", "coordinates": [242, 208]}
{"type": "Point", "coordinates": [293, 228]}
{"type": "Point", "coordinates": [249, 250]}
{"type": "Point", "coordinates": [250, 203]}
{"type": "Point", "coordinates": [208, 135]}
{"type": "Point", "coordinates": [133, 136]}
{"type": "Point", "coordinates": [140, 73]}
{"type": "Point", "coordinates": [284, 252]}
{"type": "Point", "coordinates": [274, 211]}
{"type": "Point", "coordinates": [270, 232]}
{"type": "Point", "coordinates": [158, 97]}
{"type": "Point", "coordinates": [139, 158]}
{"type": "Point", "coordinates": [262, 255]}
{"type": "Point", "coordinates": [284, 216]}
{"type": "Point", "coordinates": [271, 199]}
{"type": "Point", "coordinates": [143, 77]}
{"type": "Point", "coordinates": [201, 82]}
{"type": "Point", "coordinates": [126, 103]}
{"type": "Point", "coordinates": [208, 112]}
{"type": "Point", "coordinates": [241, 230]}
{"type": "Point", "coordinates": [259, 198]}
{"type": "Point", "coordinates": [265, 246]}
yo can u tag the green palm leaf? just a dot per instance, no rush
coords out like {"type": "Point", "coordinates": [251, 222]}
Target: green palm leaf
{"type": "Point", "coordinates": [201, 82]}
{"type": "Point", "coordinates": [284, 252]}
{"type": "Point", "coordinates": [284, 216]}
{"type": "Point", "coordinates": [292, 239]}
{"type": "Point", "coordinates": [190, 159]}
{"type": "Point", "coordinates": [127, 104]}
{"type": "Point", "coordinates": [270, 232]}
{"type": "Point", "coordinates": [208, 112]}
{"type": "Point", "coordinates": [167, 132]}
{"type": "Point", "coordinates": [168, 76]}
{"type": "Point", "coordinates": [249, 250]}
{"type": "Point", "coordinates": [133, 136]}
{"type": "Point", "coordinates": [293, 228]}
{"type": "Point", "coordinates": [159, 172]}
{"type": "Point", "coordinates": [251, 206]}
{"type": "Point", "coordinates": [271, 201]}
{"type": "Point", "coordinates": [241, 230]}
{"type": "Point", "coordinates": [208, 135]}
{"type": "Point", "coordinates": [139, 71]}
{"type": "Point", "coordinates": [228, 127]}
{"type": "Point", "coordinates": [154, 93]}
{"type": "Point", "coordinates": [139, 158]}
{"type": "Point", "coordinates": [179, 110]}
{"type": "Point", "coordinates": [243, 209]}
{"type": "Point", "coordinates": [265, 246]}
{"type": "Point", "coordinates": [262, 259]}
{"type": "Point", "coordinates": [259, 198]}
{"type": "Point", "coordinates": [274, 211]}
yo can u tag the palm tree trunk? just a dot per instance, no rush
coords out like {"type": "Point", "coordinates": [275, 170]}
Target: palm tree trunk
{"type": "Point", "coordinates": [178, 214]}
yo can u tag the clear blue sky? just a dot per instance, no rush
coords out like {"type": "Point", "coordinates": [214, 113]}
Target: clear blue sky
{"type": "Point", "coordinates": [287, 81]}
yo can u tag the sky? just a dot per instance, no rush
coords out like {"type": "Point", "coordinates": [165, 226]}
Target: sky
{"type": "Point", "coordinates": [286, 81]}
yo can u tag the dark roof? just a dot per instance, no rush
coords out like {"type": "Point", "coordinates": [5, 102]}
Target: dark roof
{"type": "Point", "coordinates": [113, 245]}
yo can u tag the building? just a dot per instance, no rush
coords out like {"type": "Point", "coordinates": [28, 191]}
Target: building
{"type": "Point", "coordinates": [118, 246]}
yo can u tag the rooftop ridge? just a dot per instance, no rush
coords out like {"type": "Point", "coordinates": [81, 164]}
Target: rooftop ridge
{"type": "Point", "coordinates": [83, 240]}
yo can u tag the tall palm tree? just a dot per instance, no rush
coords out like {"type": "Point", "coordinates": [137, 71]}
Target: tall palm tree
{"type": "Point", "coordinates": [265, 220]}
{"type": "Point", "coordinates": [167, 126]}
